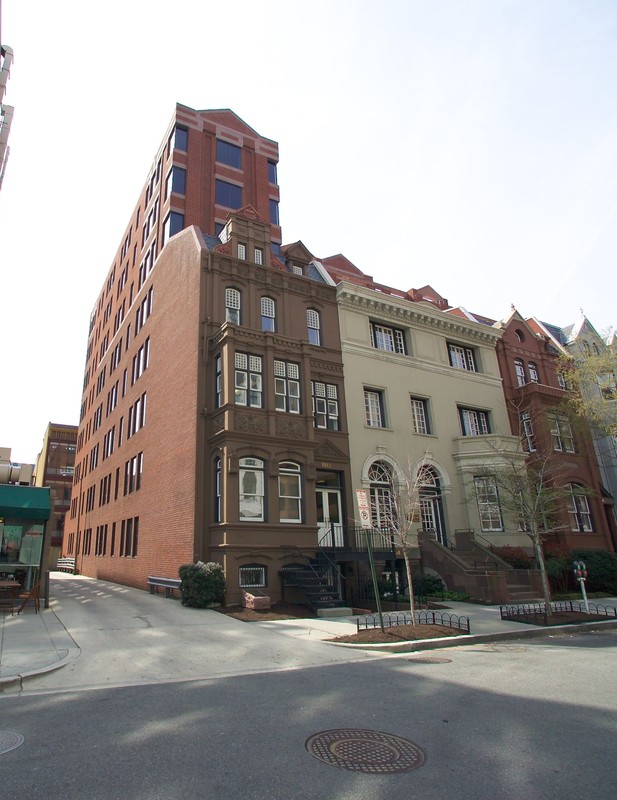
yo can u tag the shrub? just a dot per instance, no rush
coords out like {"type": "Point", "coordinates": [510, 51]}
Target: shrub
{"type": "Point", "coordinates": [516, 557]}
{"type": "Point", "coordinates": [425, 585]}
{"type": "Point", "coordinates": [558, 564]}
{"type": "Point", "coordinates": [202, 584]}
{"type": "Point", "coordinates": [601, 569]}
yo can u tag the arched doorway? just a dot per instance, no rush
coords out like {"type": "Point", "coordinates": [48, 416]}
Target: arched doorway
{"type": "Point", "coordinates": [431, 506]}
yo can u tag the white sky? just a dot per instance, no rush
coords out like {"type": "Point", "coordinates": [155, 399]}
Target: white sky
{"type": "Point", "coordinates": [469, 144]}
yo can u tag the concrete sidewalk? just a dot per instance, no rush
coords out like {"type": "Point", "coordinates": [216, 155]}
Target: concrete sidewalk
{"type": "Point", "coordinates": [32, 644]}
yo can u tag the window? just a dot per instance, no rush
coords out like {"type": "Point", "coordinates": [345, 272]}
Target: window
{"type": "Point", "coordinates": [174, 222]}
{"type": "Point", "coordinates": [521, 378]}
{"type": "Point", "coordinates": [390, 339]}
{"type": "Point", "coordinates": [325, 405]}
{"type": "Point", "coordinates": [313, 325]}
{"type": "Point", "coordinates": [533, 373]}
{"type": "Point", "coordinates": [529, 442]}
{"type": "Point", "coordinates": [252, 576]}
{"type": "Point", "coordinates": [274, 212]}
{"type": "Point", "coordinates": [578, 509]}
{"type": "Point", "coordinates": [272, 172]}
{"type": "Point", "coordinates": [268, 314]}
{"type": "Point", "coordinates": [228, 194]}
{"type": "Point", "coordinates": [141, 361]}
{"type": "Point", "coordinates": [218, 374]}
{"type": "Point", "coordinates": [176, 181]}
{"type": "Point", "coordinates": [561, 434]}
{"type": "Point", "coordinates": [419, 415]}
{"type": "Point", "coordinates": [290, 492]}
{"type": "Point", "coordinates": [251, 489]}
{"type": "Point", "coordinates": [218, 489]}
{"type": "Point", "coordinates": [129, 531]}
{"type": "Point", "coordinates": [232, 306]}
{"type": "Point", "coordinates": [241, 251]}
{"type": "Point", "coordinates": [230, 154]}
{"type": "Point", "coordinates": [383, 513]}
{"type": "Point", "coordinates": [462, 357]}
{"type": "Point", "coordinates": [248, 380]}
{"type": "Point", "coordinates": [297, 269]}
{"type": "Point", "coordinates": [373, 407]}
{"type": "Point", "coordinates": [287, 387]}
{"type": "Point", "coordinates": [259, 256]}
{"type": "Point", "coordinates": [473, 423]}
{"type": "Point", "coordinates": [181, 141]}
{"type": "Point", "coordinates": [488, 504]}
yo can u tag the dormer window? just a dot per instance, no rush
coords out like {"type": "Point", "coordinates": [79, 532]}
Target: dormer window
{"type": "Point", "coordinates": [297, 269]}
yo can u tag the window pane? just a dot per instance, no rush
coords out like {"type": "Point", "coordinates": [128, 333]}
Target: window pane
{"type": "Point", "coordinates": [227, 153]}
{"type": "Point", "coordinates": [228, 194]}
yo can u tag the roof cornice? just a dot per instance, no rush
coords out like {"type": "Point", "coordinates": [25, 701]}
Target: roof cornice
{"type": "Point", "coordinates": [401, 311]}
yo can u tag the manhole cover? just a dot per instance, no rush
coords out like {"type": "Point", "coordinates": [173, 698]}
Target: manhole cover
{"type": "Point", "coordinates": [9, 740]}
{"type": "Point", "coordinates": [365, 751]}
{"type": "Point", "coordinates": [430, 660]}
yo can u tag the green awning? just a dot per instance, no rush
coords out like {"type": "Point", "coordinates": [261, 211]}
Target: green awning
{"type": "Point", "coordinates": [24, 502]}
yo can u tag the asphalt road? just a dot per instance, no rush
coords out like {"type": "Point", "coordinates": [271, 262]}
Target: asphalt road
{"type": "Point", "coordinates": [525, 721]}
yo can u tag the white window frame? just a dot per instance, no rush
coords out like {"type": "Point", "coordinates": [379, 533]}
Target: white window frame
{"type": "Point", "coordinates": [462, 357]}
{"type": "Point", "coordinates": [268, 314]}
{"type": "Point", "coordinates": [374, 408]}
{"type": "Point", "coordinates": [387, 338]}
{"type": "Point", "coordinates": [248, 380]}
{"type": "Point", "coordinates": [419, 416]}
{"type": "Point", "coordinates": [474, 422]}
{"type": "Point", "coordinates": [287, 386]}
{"type": "Point", "coordinates": [519, 368]}
{"type": "Point", "coordinates": [489, 507]}
{"type": "Point", "coordinates": [561, 434]}
{"type": "Point", "coordinates": [290, 492]}
{"type": "Point", "coordinates": [251, 503]}
{"type": "Point", "coordinates": [233, 304]}
{"type": "Point", "coordinates": [313, 324]}
{"type": "Point", "coordinates": [527, 434]}
{"type": "Point", "coordinates": [324, 398]}
{"type": "Point", "coordinates": [533, 372]}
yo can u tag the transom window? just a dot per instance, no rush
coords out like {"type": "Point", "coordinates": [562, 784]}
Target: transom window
{"type": "Point", "coordinates": [248, 380]}
{"type": "Point", "coordinates": [268, 314]}
{"type": "Point", "coordinates": [462, 357]}
{"type": "Point", "coordinates": [386, 338]}
{"type": "Point", "coordinates": [473, 422]}
{"type": "Point", "coordinates": [232, 306]}
{"type": "Point", "coordinates": [419, 415]}
{"type": "Point", "coordinates": [252, 576]}
{"type": "Point", "coordinates": [313, 324]}
{"type": "Point", "coordinates": [578, 509]}
{"type": "Point", "coordinates": [561, 434]}
{"type": "Point", "coordinates": [251, 489]}
{"type": "Point", "coordinates": [488, 504]}
{"type": "Point", "coordinates": [373, 408]}
{"type": "Point", "coordinates": [325, 405]}
{"type": "Point", "coordinates": [290, 492]}
{"type": "Point", "coordinates": [287, 387]}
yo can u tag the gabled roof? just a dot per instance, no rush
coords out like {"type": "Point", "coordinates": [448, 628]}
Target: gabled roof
{"type": "Point", "coordinates": [297, 250]}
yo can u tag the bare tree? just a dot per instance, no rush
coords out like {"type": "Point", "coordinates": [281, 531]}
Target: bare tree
{"type": "Point", "coordinates": [591, 376]}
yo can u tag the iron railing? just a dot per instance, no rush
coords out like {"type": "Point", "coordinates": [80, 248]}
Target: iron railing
{"type": "Point", "coordinates": [427, 617]}
{"type": "Point", "coordinates": [539, 609]}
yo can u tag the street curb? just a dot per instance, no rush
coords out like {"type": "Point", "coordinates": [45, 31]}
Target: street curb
{"type": "Point", "coordinates": [480, 638]}
{"type": "Point", "coordinates": [10, 681]}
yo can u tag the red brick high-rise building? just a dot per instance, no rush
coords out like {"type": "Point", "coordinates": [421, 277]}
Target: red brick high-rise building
{"type": "Point", "coordinates": [213, 417]}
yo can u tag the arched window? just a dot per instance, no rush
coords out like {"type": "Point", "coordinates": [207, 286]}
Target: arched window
{"type": "Point", "coordinates": [232, 306]}
{"type": "Point", "coordinates": [313, 324]}
{"type": "Point", "coordinates": [383, 511]}
{"type": "Point", "coordinates": [578, 509]}
{"type": "Point", "coordinates": [253, 576]}
{"type": "Point", "coordinates": [268, 314]}
{"type": "Point", "coordinates": [290, 492]}
{"type": "Point", "coordinates": [519, 367]}
{"type": "Point", "coordinates": [431, 510]}
{"type": "Point", "coordinates": [251, 494]}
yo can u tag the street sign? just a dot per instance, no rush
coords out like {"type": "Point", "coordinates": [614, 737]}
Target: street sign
{"type": "Point", "coordinates": [363, 508]}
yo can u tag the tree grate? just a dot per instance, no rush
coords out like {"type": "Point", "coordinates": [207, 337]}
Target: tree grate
{"type": "Point", "coordinates": [360, 750]}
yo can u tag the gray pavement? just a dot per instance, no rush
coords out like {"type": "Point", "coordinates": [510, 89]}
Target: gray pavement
{"type": "Point", "coordinates": [104, 634]}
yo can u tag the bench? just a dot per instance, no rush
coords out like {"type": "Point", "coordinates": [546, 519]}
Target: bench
{"type": "Point", "coordinates": [169, 584]}
{"type": "Point", "coordinates": [65, 565]}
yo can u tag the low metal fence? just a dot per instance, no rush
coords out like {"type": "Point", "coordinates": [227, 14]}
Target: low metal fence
{"type": "Point", "coordinates": [539, 609]}
{"type": "Point", "coordinates": [426, 617]}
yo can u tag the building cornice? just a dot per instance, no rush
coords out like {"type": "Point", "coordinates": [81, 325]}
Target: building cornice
{"type": "Point", "coordinates": [406, 312]}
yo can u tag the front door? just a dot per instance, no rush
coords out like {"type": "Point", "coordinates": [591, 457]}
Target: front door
{"type": "Point", "coordinates": [329, 517]}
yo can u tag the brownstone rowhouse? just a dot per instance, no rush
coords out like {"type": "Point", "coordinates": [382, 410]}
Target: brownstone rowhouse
{"type": "Point", "coordinates": [213, 410]}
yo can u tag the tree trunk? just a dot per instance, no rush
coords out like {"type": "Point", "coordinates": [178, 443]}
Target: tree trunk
{"type": "Point", "coordinates": [537, 546]}
{"type": "Point", "coordinates": [409, 586]}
